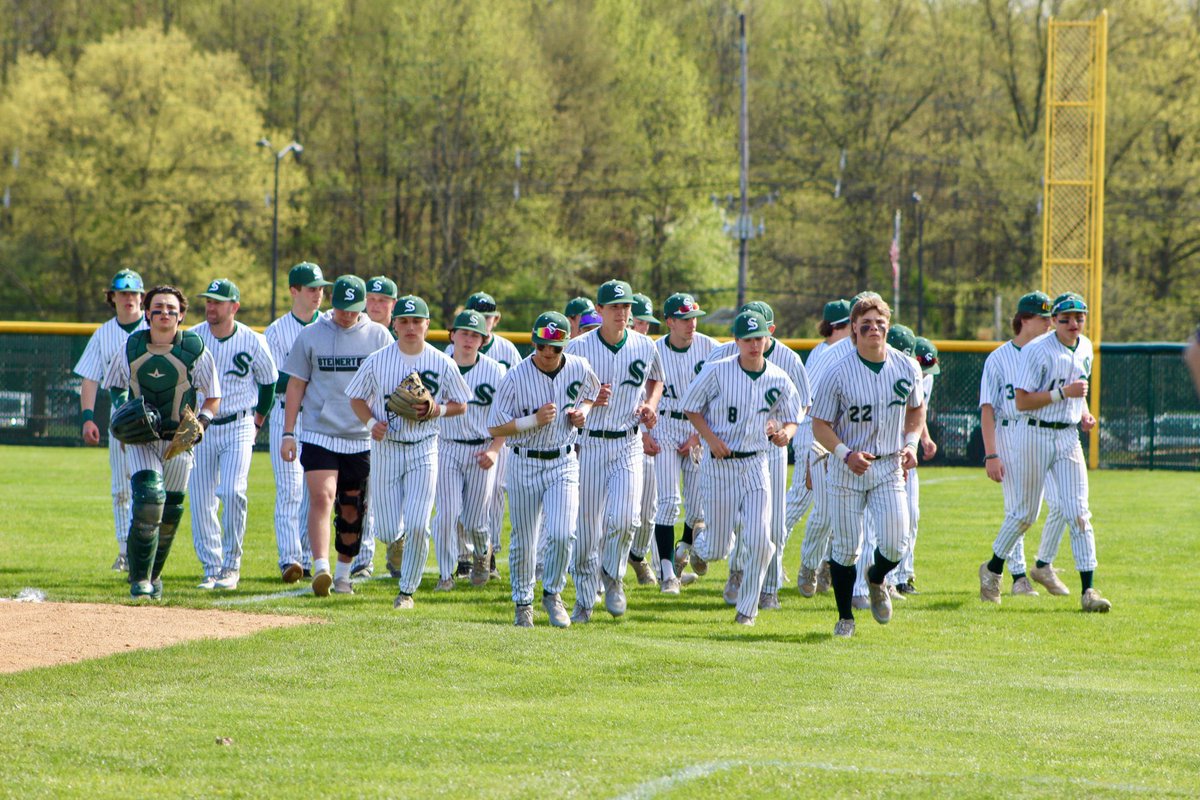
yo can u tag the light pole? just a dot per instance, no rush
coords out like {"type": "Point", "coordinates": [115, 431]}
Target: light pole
{"type": "Point", "coordinates": [916, 198]}
{"type": "Point", "coordinates": [297, 148]}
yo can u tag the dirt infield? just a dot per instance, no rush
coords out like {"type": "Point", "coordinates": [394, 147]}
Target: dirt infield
{"type": "Point", "coordinates": [46, 634]}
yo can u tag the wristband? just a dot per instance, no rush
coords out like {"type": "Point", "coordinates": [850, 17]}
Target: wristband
{"type": "Point", "coordinates": [288, 435]}
{"type": "Point", "coordinates": [88, 415]}
{"type": "Point", "coordinates": [912, 440]}
{"type": "Point", "coordinates": [205, 418]}
{"type": "Point", "coordinates": [441, 411]}
{"type": "Point", "coordinates": [842, 451]}
{"type": "Point", "coordinates": [371, 423]}
{"type": "Point", "coordinates": [526, 423]}
{"type": "Point", "coordinates": [1056, 395]}
{"type": "Point", "coordinates": [990, 456]}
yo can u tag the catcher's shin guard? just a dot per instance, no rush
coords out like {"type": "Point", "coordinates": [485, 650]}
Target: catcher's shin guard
{"type": "Point", "coordinates": [148, 500]}
{"type": "Point", "coordinates": [172, 513]}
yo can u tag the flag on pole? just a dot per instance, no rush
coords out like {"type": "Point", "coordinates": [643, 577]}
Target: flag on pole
{"type": "Point", "coordinates": [894, 256]}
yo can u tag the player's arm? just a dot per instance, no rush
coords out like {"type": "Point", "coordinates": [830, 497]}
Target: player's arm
{"type": "Point", "coordinates": [857, 460]}
{"type": "Point", "coordinates": [1032, 401]}
{"type": "Point", "coordinates": [991, 459]}
{"type": "Point", "coordinates": [539, 419]}
{"type": "Point", "coordinates": [715, 446]}
{"type": "Point", "coordinates": [363, 412]}
{"type": "Point", "coordinates": [291, 412]}
{"type": "Point", "coordinates": [914, 423]}
{"type": "Point", "coordinates": [87, 406]}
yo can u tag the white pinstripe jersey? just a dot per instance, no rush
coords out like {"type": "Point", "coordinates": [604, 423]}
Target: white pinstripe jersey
{"type": "Point", "coordinates": [498, 349]}
{"type": "Point", "coordinates": [281, 335]}
{"type": "Point", "coordinates": [383, 370]}
{"type": "Point", "coordinates": [997, 387]}
{"type": "Point", "coordinates": [106, 344]}
{"type": "Point", "coordinates": [736, 404]}
{"type": "Point", "coordinates": [483, 380]}
{"type": "Point", "coordinates": [526, 388]}
{"type": "Point", "coordinates": [680, 367]}
{"type": "Point", "coordinates": [626, 368]}
{"type": "Point", "coordinates": [867, 409]}
{"type": "Point", "coordinates": [816, 356]}
{"type": "Point", "coordinates": [1046, 363]}
{"type": "Point", "coordinates": [781, 356]}
{"type": "Point", "coordinates": [243, 361]}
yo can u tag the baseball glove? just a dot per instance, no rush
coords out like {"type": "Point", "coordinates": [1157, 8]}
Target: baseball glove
{"type": "Point", "coordinates": [187, 435]}
{"type": "Point", "coordinates": [411, 399]}
{"type": "Point", "coordinates": [135, 422]}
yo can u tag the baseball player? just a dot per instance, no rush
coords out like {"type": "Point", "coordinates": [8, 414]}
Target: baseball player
{"type": "Point", "coordinates": [404, 448]}
{"type": "Point", "coordinates": [610, 449]}
{"type": "Point", "coordinates": [813, 575]}
{"type": "Point", "coordinates": [786, 359]}
{"type": "Point", "coordinates": [1000, 419]}
{"type": "Point", "coordinates": [163, 367]}
{"type": "Point", "coordinates": [581, 312]}
{"type": "Point", "coordinates": [306, 285]}
{"type": "Point", "coordinates": [502, 350]}
{"type": "Point", "coordinates": [544, 470]}
{"type": "Point", "coordinates": [222, 461]}
{"type": "Point", "coordinates": [336, 444]}
{"type": "Point", "coordinates": [683, 353]}
{"type": "Point", "coordinates": [381, 299]}
{"type": "Point", "coordinates": [741, 406]}
{"type": "Point", "coordinates": [124, 295]}
{"type": "Point", "coordinates": [1051, 388]}
{"type": "Point", "coordinates": [642, 317]}
{"type": "Point", "coordinates": [467, 462]}
{"type": "Point", "coordinates": [868, 414]}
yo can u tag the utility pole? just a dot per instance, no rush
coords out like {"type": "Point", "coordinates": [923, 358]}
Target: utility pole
{"type": "Point", "coordinates": [745, 228]}
{"type": "Point", "coordinates": [297, 148]}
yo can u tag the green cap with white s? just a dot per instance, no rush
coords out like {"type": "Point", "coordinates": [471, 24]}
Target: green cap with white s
{"type": "Point", "coordinates": [1068, 302]}
{"type": "Point", "coordinates": [761, 307]}
{"type": "Point", "coordinates": [410, 306]}
{"type": "Point", "coordinates": [643, 309]}
{"type": "Point", "coordinates": [551, 328]}
{"type": "Point", "coordinates": [381, 284]}
{"type": "Point", "coordinates": [349, 293]}
{"type": "Point", "coordinates": [579, 306]}
{"type": "Point", "coordinates": [127, 281]}
{"type": "Point", "coordinates": [470, 321]}
{"type": "Point", "coordinates": [750, 325]}
{"type": "Point", "coordinates": [306, 274]}
{"type": "Point", "coordinates": [224, 290]}
{"type": "Point", "coordinates": [926, 353]}
{"type": "Point", "coordinates": [614, 292]}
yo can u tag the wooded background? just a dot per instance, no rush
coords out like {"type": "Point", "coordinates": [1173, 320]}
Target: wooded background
{"type": "Point", "coordinates": [534, 148]}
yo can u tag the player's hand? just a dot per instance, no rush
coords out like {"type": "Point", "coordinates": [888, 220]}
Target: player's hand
{"type": "Point", "coordinates": [91, 433]}
{"type": "Point", "coordinates": [1077, 388]}
{"type": "Point", "coordinates": [287, 449]}
{"type": "Point", "coordinates": [691, 442]}
{"type": "Point", "coordinates": [718, 448]}
{"type": "Point", "coordinates": [647, 416]}
{"type": "Point", "coordinates": [603, 396]}
{"type": "Point", "coordinates": [859, 461]}
{"type": "Point", "coordinates": [908, 460]}
{"type": "Point", "coordinates": [378, 431]}
{"type": "Point", "coordinates": [1087, 422]}
{"type": "Point", "coordinates": [928, 448]}
{"type": "Point", "coordinates": [780, 438]}
{"type": "Point", "coordinates": [576, 416]}
{"type": "Point", "coordinates": [486, 459]}
{"type": "Point", "coordinates": [547, 414]}
{"type": "Point", "coordinates": [649, 446]}
{"type": "Point", "coordinates": [995, 469]}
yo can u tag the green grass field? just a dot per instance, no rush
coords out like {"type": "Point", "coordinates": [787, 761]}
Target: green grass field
{"type": "Point", "coordinates": [953, 698]}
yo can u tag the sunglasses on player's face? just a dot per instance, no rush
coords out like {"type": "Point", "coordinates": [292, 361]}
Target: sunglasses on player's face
{"type": "Point", "coordinates": [551, 333]}
{"type": "Point", "coordinates": [127, 283]}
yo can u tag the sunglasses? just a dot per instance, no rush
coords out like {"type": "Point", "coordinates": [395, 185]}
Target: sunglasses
{"type": "Point", "coordinates": [484, 306]}
{"type": "Point", "coordinates": [551, 333]}
{"type": "Point", "coordinates": [927, 360]}
{"type": "Point", "coordinates": [687, 308]}
{"type": "Point", "coordinates": [127, 283]}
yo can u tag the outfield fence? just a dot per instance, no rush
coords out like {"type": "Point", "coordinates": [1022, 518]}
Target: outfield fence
{"type": "Point", "coordinates": [1149, 413]}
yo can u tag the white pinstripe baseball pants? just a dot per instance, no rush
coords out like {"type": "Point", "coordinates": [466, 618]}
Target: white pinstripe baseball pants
{"type": "Point", "coordinates": [669, 466]}
{"type": "Point", "coordinates": [219, 478]}
{"type": "Point", "coordinates": [140, 457]}
{"type": "Point", "coordinates": [610, 501]}
{"type": "Point", "coordinates": [400, 498]}
{"type": "Point", "coordinates": [799, 496]}
{"type": "Point", "coordinates": [643, 540]}
{"type": "Point", "coordinates": [541, 490]}
{"type": "Point", "coordinates": [818, 530]}
{"type": "Point", "coordinates": [878, 493]}
{"type": "Point", "coordinates": [122, 499]}
{"type": "Point", "coordinates": [291, 520]}
{"type": "Point", "coordinates": [464, 494]}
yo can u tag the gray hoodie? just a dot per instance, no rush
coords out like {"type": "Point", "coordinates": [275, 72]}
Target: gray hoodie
{"type": "Point", "coordinates": [327, 356]}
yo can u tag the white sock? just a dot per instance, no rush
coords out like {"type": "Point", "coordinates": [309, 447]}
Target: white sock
{"type": "Point", "coordinates": [320, 565]}
{"type": "Point", "coordinates": [668, 569]}
{"type": "Point", "coordinates": [342, 571]}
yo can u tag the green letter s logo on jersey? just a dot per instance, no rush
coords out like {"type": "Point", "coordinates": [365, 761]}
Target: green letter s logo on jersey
{"type": "Point", "coordinates": [902, 389]}
{"type": "Point", "coordinates": [637, 374]}
{"type": "Point", "coordinates": [573, 389]}
{"type": "Point", "coordinates": [771, 397]}
{"type": "Point", "coordinates": [241, 365]}
{"type": "Point", "coordinates": [483, 395]}
{"type": "Point", "coordinates": [430, 379]}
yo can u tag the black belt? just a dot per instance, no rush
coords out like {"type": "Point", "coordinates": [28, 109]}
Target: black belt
{"type": "Point", "coordinates": [1004, 423]}
{"type": "Point", "coordinates": [232, 417]}
{"type": "Point", "coordinates": [470, 441]}
{"type": "Point", "coordinates": [739, 454]}
{"type": "Point", "coordinates": [407, 444]}
{"type": "Point", "coordinates": [609, 434]}
{"type": "Point", "coordinates": [1057, 426]}
{"type": "Point", "coordinates": [545, 455]}
{"type": "Point", "coordinates": [673, 414]}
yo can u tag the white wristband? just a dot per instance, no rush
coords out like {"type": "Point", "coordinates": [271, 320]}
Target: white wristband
{"type": "Point", "coordinates": [842, 452]}
{"type": "Point", "coordinates": [912, 440]}
{"type": "Point", "coordinates": [205, 414]}
{"type": "Point", "coordinates": [1056, 395]}
{"type": "Point", "coordinates": [371, 423]}
{"type": "Point", "coordinates": [441, 411]}
{"type": "Point", "coordinates": [526, 423]}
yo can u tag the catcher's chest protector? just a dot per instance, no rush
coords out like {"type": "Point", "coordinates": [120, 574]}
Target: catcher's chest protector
{"type": "Point", "coordinates": [162, 374]}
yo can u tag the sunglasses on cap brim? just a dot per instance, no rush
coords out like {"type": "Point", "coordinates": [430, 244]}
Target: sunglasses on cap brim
{"type": "Point", "coordinates": [127, 284]}
{"type": "Point", "coordinates": [551, 334]}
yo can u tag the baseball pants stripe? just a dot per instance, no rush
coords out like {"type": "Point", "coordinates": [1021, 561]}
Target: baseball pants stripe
{"type": "Point", "coordinates": [464, 495]}
{"type": "Point", "coordinates": [799, 496]}
{"type": "Point", "coordinates": [643, 540]}
{"type": "Point", "coordinates": [739, 502]}
{"type": "Point", "coordinates": [175, 472]}
{"type": "Point", "coordinates": [218, 482]}
{"type": "Point", "coordinates": [610, 498]}
{"type": "Point", "coordinates": [906, 569]}
{"type": "Point", "coordinates": [291, 528]}
{"type": "Point", "coordinates": [879, 493]}
{"type": "Point", "coordinates": [401, 500]}
{"type": "Point", "coordinates": [541, 491]}
{"type": "Point", "coordinates": [818, 531]}
{"type": "Point", "coordinates": [122, 501]}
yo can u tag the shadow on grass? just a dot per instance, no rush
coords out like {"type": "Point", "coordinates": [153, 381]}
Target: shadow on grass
{"type": "Point", "coordinates": [812, 637]}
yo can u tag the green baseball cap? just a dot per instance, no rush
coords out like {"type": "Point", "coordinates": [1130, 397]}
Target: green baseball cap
{"type": "Point", "coordinates": [482, 302]}
{"type": "Point", "coordinates": [902, 338]}
{"type": "Point", "coordinates": [223, 289]}
{"type": "Point", "coordinates": [349, 293]}
{"type": "Point", "coordinates": [410, 306]}
{"type": "Point", "coordinates": [836, 312]}
{"type": "Point", "coordinates": [643, 308]}
{"type": "Point", "coordinates": [382, 285]}
{"type": "Point", "coordinates": [750, 325]}
{"type": "Point", "coordinates": [926, 354]}
{"type": "Point", "coordinates": [471, 321]}
{"type": "Point", "coordinates": [127, 281]}
{"type": "Point", "coordinates": [551, 328]}
{"type": "Point", "coordinates": [1037, 303]}
{"type": "Point", "coordinates": [306, 274]}
{"type": "Point", "coordinates": [1069, 301]}
{"type": "Point", "coordinates": [762, 308]}
{"type": "Point", "coordinates": [682, 306]}
{"type": "Point", "coordinates": [614, 292]}
{"type": "Point", "coordinates": [579, 306]}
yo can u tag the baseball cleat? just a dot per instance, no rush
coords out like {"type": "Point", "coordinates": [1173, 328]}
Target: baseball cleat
{"type": "Point", "coordinates": [362, 572]}
{"type": "Point", "coordinates": [844, 629]}
{"type": "Point", "coordinates": [156, 592]}
{"type": "Point", "coordinates": [768, 601]}
{"type": "Point", "coordinates": [614, 594]}
{"type": "Point", "coordinates": [1092, 601]}
{"type": "Point", "coordinates": [1047, 576]}
{"type": "Point", "coordinates": [824, 581]}
{"type": "Point", "coordinates": [493, 573]}
{"type": "Point", "coordinates": [894, 593]}
{"type": "Point", "coordinates": [733, 587]}
{"type": "Point", "coordinates": [806, 581]}
{"type": "Point", "coordinates": [395, 558]}
{"type": "Point", "coordinates": [523, 618]}
{"type": "Point", "coordinates": [444, 585]}
{"type": "Point", "coordinates": [291, 573]}
{"type": "Point", "coordinates": [343, 586]}
{"type": "Point", "coordinates": [141, 590]}
{"type": "Point", "coordinates": [479, 569]}
{"type": "Point", "coordinates": [687, 579]}
{"type": "Point", "coordinates": [989, 585]}
{"type": "Point", "coordinates": [209, 583]}
{"type": "Point", "coordinates": [742, 619]}
{"type": "Point", "coordinates": [321, 583]}
{"type": "Point", "coordinates": [670, 586]}
{"type": "Point", "coordinates": [645, 575]}
{"type": "Point", "coordinates": [881, 602]}
{"type": "Point", "coordinates": [907, 588]}
{"type": "Point", "coordinates": [121, 564]}
{"type": "Point", "coordinates": [228, 580]}
{"type": "Point", "coordinates": [680, 559]}
{"type": "Point", "coordinates": [464, 569]}
{"type": "Point", "coordinates": [404, 601]}
{"type": "Point", "coordinates": [860, 602]}
{"type": "Point", "coordinates": [1022, 586]}
{"type": "Point", "coordinates": [581, 614]}
{"type": "Point", "coordinates": [699, 565]}
{"type": "Point", "coordinates": [556, 610]}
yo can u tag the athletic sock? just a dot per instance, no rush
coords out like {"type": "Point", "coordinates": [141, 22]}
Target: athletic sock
{"type": "Point", "coordinates": [880, 568]}
{"type": "Point", "coordinates": [1017, 576]}
{"type": "Point", "coordinates": [667, 567]}
{"type": "Point", "coordinates": [687, 534]}
{"type": "Point", "coordinates": [1086, 578]}
{"type": "Point", "coordinates": [634, 558]}
{"type": "Point", "coordinates": [996, 565]}
{"type": "Point", "coordinates": [664, 537]}
{"type": "Point", "coordinates": [320, 565]}
{"type": "Point", "coordinates": [842, 578]}
{"type": "Point", "coordinates": [342, 571]}
{"type": "Point", "coordinates": [1043, 564]}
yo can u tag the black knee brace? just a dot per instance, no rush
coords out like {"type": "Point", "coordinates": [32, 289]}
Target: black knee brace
{"type": "Point", "coordinates": [358, 502]}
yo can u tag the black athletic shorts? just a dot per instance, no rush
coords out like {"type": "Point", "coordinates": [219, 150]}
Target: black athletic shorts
{"type": "Point", "coordinates": [352, 468]}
